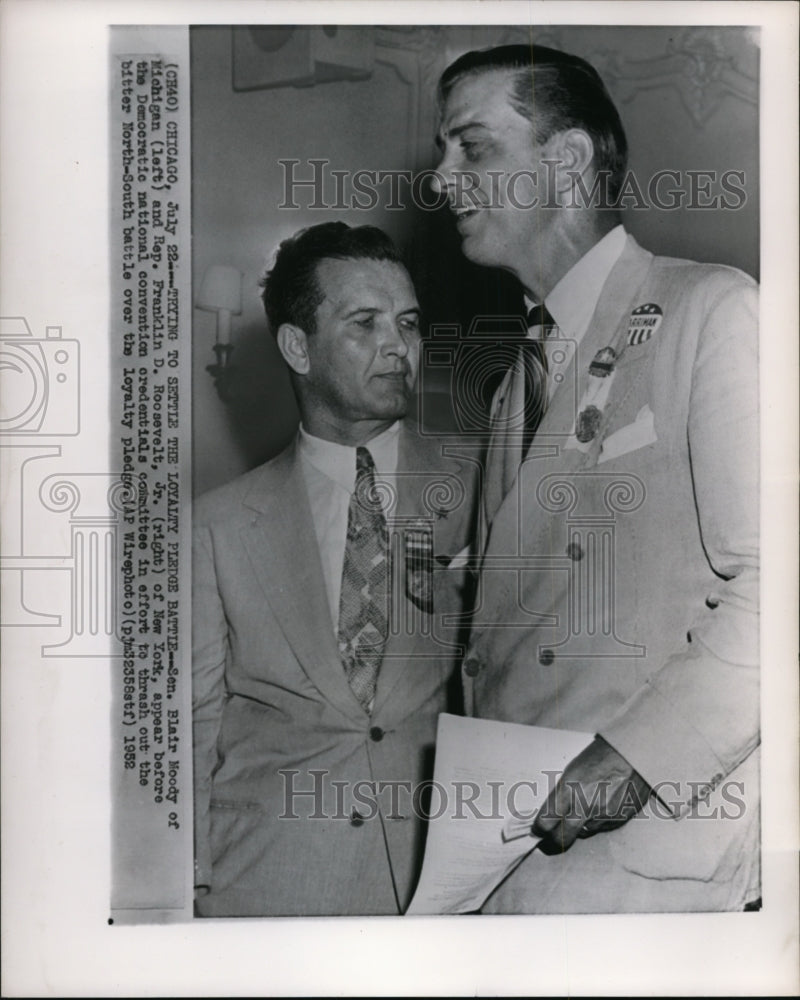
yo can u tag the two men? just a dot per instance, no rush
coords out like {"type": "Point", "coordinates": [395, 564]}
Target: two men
{"type": "Point", "coordinates": [321, 584]}
{"type": "Point", "coordinates": [619, 583]}
{"type": "Point", "coordinates": [619, 586]}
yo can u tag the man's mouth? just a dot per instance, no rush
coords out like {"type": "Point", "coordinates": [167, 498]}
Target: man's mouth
{"type": "Point", "coordinates": [462, 214]}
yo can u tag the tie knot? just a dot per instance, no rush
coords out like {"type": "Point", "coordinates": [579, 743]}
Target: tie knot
{"type": "Point", "coordinates": [539, 316]}
{"type": "Point", "coordinates": [364, 462]}
{"type": "Point", "coordinates": [369, 498]}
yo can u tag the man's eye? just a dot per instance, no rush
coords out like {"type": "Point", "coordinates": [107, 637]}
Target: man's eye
{"type": "Point", "coordinates": [366, 322]}
{"type": "Point", "coordinates": [410, 324]}
{"type": "Point", "coordinates": [472, 150]}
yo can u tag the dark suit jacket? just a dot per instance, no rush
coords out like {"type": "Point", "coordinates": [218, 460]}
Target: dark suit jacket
{"type": "Point", "coordinates": [275, 718]}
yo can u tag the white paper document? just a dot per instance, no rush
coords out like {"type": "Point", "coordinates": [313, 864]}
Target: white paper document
{"type": "Point", "coordinates": [490, 778]}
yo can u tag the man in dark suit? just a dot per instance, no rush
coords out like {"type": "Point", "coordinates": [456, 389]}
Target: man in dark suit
{"type": "Point", "coordinates": [321, 584]}
{"type": "Point", "coordinates": [619, 589]}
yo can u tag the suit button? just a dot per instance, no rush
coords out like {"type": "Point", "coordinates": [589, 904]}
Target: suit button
{"type": "Point", "coordinates": [546, 657]}
{"type": "Point", "coordinates": [472, 667]}
{"type": "Point", "coordinates": [575, 552]}
{"type": "Point", "coordinates": [376, 734]}
{"type": "Point", "coordinates": [356, 819]}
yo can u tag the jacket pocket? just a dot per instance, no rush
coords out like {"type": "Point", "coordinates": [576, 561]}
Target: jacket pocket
{"type": "Point", "coordinates": [633, 436]}
{"type": "Point", "coordinates": [707, 844]}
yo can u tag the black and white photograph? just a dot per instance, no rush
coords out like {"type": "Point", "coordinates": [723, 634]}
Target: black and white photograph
{"type": "Point", "coordinates": [601, 503]}
{"type": "Point", "coordinates": [402, 519]}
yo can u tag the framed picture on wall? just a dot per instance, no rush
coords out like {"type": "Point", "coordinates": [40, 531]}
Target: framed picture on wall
{"type": "Point", "coordinates": [299, 55]}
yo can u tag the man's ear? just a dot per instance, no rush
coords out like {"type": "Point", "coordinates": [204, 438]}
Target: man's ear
{"type": "Point", "coordinates": [294, 348]}
{"type": "Point", "coordinates": [573, 152]}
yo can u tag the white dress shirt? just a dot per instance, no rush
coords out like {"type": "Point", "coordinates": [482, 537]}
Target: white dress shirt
{"type": "Point", "coordinates": [573, 301]}
{"type": "Point", "coordinates": [330, 475]}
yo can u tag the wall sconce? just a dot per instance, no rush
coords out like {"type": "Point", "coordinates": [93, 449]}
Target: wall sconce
{"type": "Point", "coordinates": [221, 293]}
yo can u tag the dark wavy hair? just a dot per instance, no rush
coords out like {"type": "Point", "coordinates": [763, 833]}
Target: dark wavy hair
{"type": "Point", "coordinates": [554, 91]}
{"type": "Point", "coordinates": [291, 292]}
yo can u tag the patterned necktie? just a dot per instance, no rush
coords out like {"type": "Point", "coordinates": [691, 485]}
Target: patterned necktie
{"type": "Point", "coordinates": [364, 601]}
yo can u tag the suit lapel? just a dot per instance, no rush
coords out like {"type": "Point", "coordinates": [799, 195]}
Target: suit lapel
{"type": "Point", "coordinates": [282, 548]}
{"type": "Point", "coordinates": [619, 296]}
{"type": "Point", "coordinates": [614, 305]}
{"type": "Point", "coordinates": [428, 486]}
{"type": "Point", "coordinates": [547, 454]}
{"type": "Point", "coordinates": [421, 466]}
{"type": "Point", "coordinates": [500, 444]}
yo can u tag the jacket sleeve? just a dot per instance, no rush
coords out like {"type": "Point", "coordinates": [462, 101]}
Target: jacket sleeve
{"type": "Point", "coordinates": [697, 717]}
{"type": "Point", "coordinates": [209, 654]}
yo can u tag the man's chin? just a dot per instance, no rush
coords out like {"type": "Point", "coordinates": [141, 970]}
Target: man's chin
{"type": "Point", "coordinates": [474, 251]}
{"type": "Point", "coordinates": [393, 409]}
{"type": "Point", "coordinates": [400, 410]}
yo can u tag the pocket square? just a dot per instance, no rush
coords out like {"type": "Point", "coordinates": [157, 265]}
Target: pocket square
{"type": "Point", "coordinates": [631, 437]}
{"type": "Point", "coordinates": [461, 559]}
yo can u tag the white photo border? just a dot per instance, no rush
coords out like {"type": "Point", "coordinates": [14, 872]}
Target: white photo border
{"type": "Point", "coordinates": [56, 768]}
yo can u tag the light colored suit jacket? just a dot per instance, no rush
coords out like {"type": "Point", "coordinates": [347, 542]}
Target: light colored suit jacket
{"type": "Point", "coordinates": [299, 797]}
{"type": "Point", "coordinates": [619, 593]}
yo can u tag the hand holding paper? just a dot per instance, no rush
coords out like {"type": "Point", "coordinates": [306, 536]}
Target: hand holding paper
{"type": "Point", "coordinates": [598, 791]}
{"type": "Point", "coordinates": [489, 779]}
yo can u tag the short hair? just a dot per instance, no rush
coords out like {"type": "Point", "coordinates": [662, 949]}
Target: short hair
{"type": "Point", "coordinates": [291, 292]}
{"type": "Point", "coordinates": [555, 91]}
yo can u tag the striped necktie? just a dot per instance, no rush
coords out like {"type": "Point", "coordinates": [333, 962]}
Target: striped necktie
{"type": "Point", "coordinates": [364, 601]}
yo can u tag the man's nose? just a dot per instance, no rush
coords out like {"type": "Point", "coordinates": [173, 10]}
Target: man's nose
{"type": "Point", "coordinates": [441, 178]}
{"type": "Point", "coordinates": [396, 340]}
{"type": "Point", "coordinates": [438, 181]}
{"type": "Point", "coordinates": [398, 344]}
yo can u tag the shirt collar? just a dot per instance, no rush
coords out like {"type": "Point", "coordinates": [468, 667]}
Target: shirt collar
{"type": "Point", "coordinates": [573, 300]}
{"type": "Point", "coordinates": [338, 461]}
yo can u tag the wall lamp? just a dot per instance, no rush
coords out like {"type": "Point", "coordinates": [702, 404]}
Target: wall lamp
{"type": "Point", "coordinates": [221, 293]}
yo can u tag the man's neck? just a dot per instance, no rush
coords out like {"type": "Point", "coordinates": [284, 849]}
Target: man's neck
{"type": "Point", "coordinates": [557, 252]}
{"type": "Point", "coordinates": [351, 434]}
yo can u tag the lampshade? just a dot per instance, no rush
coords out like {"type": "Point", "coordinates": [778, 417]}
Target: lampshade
{"type": "Point", "coordinates": [221, 290]}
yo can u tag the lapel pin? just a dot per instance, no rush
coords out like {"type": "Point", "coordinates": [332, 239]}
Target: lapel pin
{"type": "Point", "coordinates": [644, 322]}
{"type": "Point", "coordinates": [588, 424]}
{"type": "Point", "coordinates": [603, 362]}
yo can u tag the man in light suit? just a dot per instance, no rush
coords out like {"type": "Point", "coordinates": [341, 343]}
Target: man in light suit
{"type": "Point", "coordinates": [619, 586]}
{"type": "Point", "coordinates": [322, 654]}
